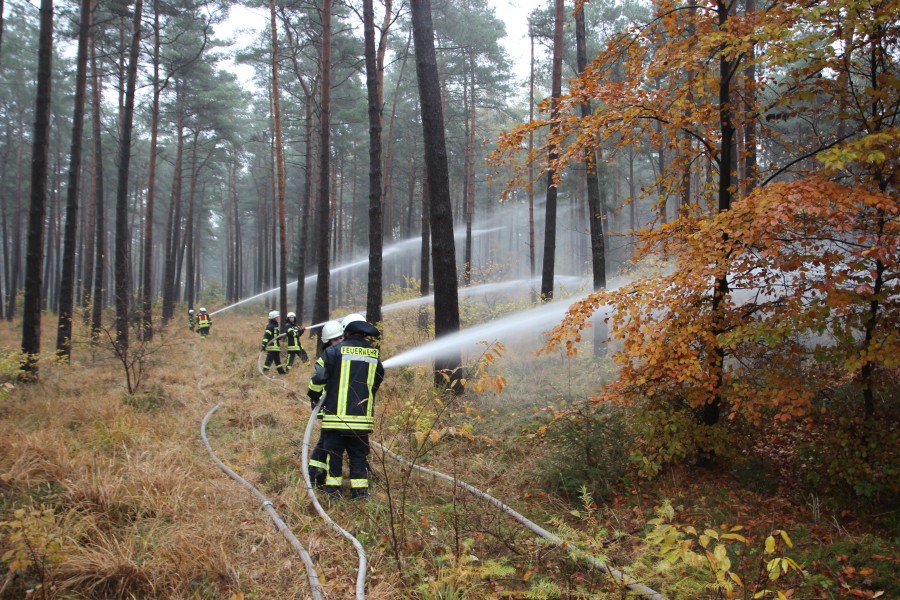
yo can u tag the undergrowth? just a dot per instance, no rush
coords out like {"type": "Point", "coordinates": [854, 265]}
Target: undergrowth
{"type": "Point", "coordinates": [106, 493]}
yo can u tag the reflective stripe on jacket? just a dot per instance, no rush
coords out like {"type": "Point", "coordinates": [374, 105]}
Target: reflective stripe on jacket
{"type": "Point", "coordinates": [203, 321]}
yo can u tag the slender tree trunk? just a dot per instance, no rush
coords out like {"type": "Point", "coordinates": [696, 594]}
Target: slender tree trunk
{"type": "Point", "coordinates": [100, 229]}
{"type": "Point", "coordinates": [425, 255]}
{"type": "Point", "coordinates": [376, 243]}
{"type": "Point", "coordinates": [189, 238]}
{"type": "Point", "coordinates": [443, 250]}
{"type": "Point", "coordinates": [321, 307]}
{"type": "Point", "coordinates": [13, 290]}
{"type": "Point", "coordinates": [279, 164]}
{"type": "Point", "coordinates": [31, 310]}
{"type": "Point", "coordinates": [470, 170]}
{"type": "Point", "coordinates": [122, 238]}
{"type": "Point", "coordinates": [147, 281]}
{"type": "Point", "coordinates": [548, 272]}
{"type": "Point", "coordinates": [67, 286]}
{"type": "Point", "coordinates": [173, 225]}
{"type": "Point", "coordinates": [750, 135]}
{"type": "Point", "coordinates": [709, 413]}
{"type": "Point", "coordinates": [305, 202]}
{"type": "Point", "coordinates": [531, 242]}
{"type": "Point", "coordinates": [595, 204]}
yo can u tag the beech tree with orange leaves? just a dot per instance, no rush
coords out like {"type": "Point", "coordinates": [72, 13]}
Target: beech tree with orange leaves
{"type": "Point", "coordinates": [784, 278]}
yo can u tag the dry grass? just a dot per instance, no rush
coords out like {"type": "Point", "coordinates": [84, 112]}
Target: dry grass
{"type": "Point", "coordinates": [138, 509]}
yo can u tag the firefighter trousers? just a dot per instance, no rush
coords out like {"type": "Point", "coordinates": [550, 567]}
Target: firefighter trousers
{"type": "Point", "coordinates": [356, 445]}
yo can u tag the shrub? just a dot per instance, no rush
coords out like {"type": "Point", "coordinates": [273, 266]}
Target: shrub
{"type": "Point", "coordinates": [589, 447]}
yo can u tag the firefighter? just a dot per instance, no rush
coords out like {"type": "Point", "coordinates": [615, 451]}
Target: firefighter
{"type": "Point", "coordinates": [293, 332]}
{"type": "Point", "coordinates": [349, 373]}
{"type": "Point", "coordinates": [191, 322]}
{"type": "Point", "coordinates": [332, 333]}
{"type": "Point", "coordinates": [270, 344]}
{"type": "Point", "coordinates": [204, 322]}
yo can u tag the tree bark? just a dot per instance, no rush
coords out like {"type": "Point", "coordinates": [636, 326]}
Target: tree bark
{"type": "Point", "coordinates": [595, 202]}
{"type": "Point", "coordinates": [147, 280]}
{"type": "Point", "coordinates": [279, 164]}
{"type": "Point", "coordinates": [122, 238]}
{"type": "Point", "coordinates": [547, 275]}
{"type": "Point", "coordinates": [100, 229]}
{"type": "Point", "coordinates": [31, 310]}
{"type": "Point", "coordinates": [67, 285]}
{"type": "Point", "coordinates": [443, 248]}
{"type": "Point", "coordinates": [321, 308]}
{"type": "Point", "coordinates": [376, 242]}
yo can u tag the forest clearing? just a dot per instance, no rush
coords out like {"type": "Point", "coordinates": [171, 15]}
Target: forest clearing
{"type": "Point", "coordinates": [617, 305]}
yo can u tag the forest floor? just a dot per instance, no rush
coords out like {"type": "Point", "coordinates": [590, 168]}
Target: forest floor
{"type": "Point", "coordinates": [106, 494]}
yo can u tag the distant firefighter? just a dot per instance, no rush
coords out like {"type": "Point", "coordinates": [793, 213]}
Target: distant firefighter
{"type": "Point", "coordinates": [191, 322]}
{"type": "Point", "coordinates": [293, 331]}
{"type": "Point", "coordinates": [204, 322]}
{"type": "Point", "coordinates": [270, 344]}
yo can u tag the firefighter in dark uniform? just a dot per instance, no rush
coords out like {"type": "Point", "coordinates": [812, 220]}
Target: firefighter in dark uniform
{"type": "Point", "coordinates": [191, 322]}
{"type": "Point", "coordinates": [349, 373]}
{"type": "Point", "coordinates": [293, 332]}
{"type": "Point", "coordinates": [270, 344]}
{"type": "Point", "coordinates": [204, 322]}
{"type": "Point", "coordinates": [332, 333]}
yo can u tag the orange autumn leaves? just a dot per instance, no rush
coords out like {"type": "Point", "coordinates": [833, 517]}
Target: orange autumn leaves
{"type": "Point", "coordinates": [805, 260]}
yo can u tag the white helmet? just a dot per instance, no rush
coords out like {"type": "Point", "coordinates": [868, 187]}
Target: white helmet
{"type": "Point", "coordinates": [292, 315]}
{"type": "Point", "coordinates": [331, 330]}
{"type": "Point", "coordinates": [202, 309]}
{"type": "Point", "coordinates": [190, 311]}
{"type": "Point", "coordinates": [274, 314]}
{"type": "Point", "coordinates": [351, 318]}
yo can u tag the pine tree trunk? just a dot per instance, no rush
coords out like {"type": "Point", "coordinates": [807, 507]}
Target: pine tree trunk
{"type": "Point", "coordinates": [595, 203]}
{"type": "Point", "coordinates": [67, 285]}
{"type": "Point", "coordinates": [547, 275]}
{"type": "Point", "coordinates": [31, 309]}
{"type": "Point", "coordinates": [321, 307]}
{"type": "Point", "coordinates": [443, 248]}
{"type": "Point", "coordinates": [173, 225]}
{"type": "Point", "coordinates": [99, 208]}
{"type": "Point", "coordinates": [279, 163]}
{"type": "Point", "coordinates": [122, 238]}
{"type": "Point", "coordinates": [147, 280]}
{"type": "Point", "coordinates": [376, 243]}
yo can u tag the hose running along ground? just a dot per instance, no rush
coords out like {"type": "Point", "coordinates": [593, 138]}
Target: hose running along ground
{"type": "Point", "coordinates": [314, 583]}
{"type": "Point", "coordinates": [571, 549]}
{"type": "Point", "coordinates": [360, 551]}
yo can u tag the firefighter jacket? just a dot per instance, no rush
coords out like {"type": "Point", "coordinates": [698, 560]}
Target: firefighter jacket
{"type": "Point", "coordinates": [351, 373]}
{"type": "Point", "coordinates": [203, 321]}
{"type": "Point", "coordinates": [293, 337]}
{"type": "Point", "coordinates": [270, 338]}
{"type": "Point", "coordinates": [191, 321]}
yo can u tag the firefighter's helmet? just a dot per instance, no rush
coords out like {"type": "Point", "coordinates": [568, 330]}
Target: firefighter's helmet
{"type": "Point", "coordinates": [274, 314]}
{"type": "Point", "coordinates": [351, 318]}
{"type": "Point", "coordinates": [331, 330]}
{"type": "Point", "coordinates": [190, 311]}
{"type": "Point", "coordinates": [292, 315]}
{"type": "Point", "coordinates": [202, 309]}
